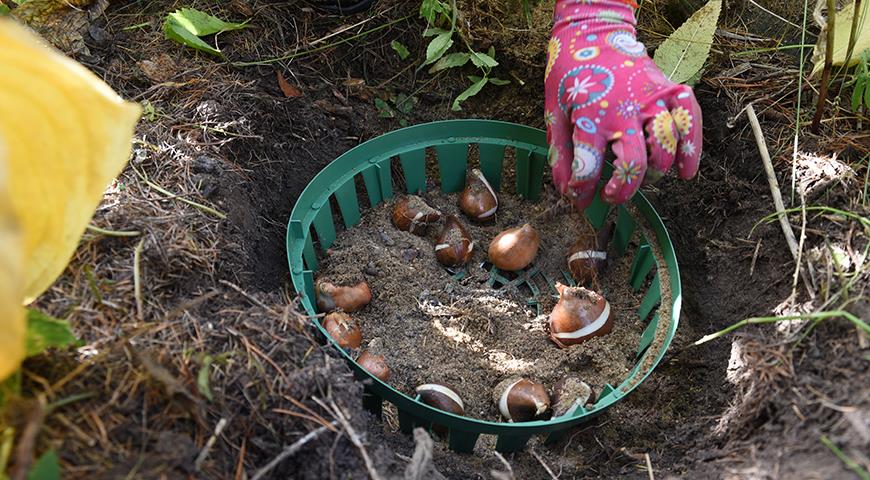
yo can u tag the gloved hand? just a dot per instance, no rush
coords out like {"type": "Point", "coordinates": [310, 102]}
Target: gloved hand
{"type": "Point", "coordinates": [600, 87]}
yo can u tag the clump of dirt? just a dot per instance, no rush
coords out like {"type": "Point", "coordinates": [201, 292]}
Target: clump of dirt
{"type": "Point", "coordinates": [433, 328]}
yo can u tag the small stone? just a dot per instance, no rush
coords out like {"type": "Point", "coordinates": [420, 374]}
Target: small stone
{"type": "Point", "coordinates": [409, 254]}
{"type": "Point", "coordinates": [206, 164]}
{"type": "Point", "coordinates": [386, 238]}
{"type": "Point", "coordinates": [372, 269]}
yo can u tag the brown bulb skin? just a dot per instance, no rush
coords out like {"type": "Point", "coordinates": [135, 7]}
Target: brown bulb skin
{"type": "Point", "coordinates": [441, 397]}
{"type": "Point", "coordinates": [521, 400]}
{"type": "Point", "coordinates": [374, 364]}
{"type": "Point", "coordinates": [343, 329]}
{"type": "Point", "coordinates": [347, 298]}
{"type": "Point", "coordinates": [588, 255]}
{"type": "Point", "coordinates": [569, 394]}
{"type": "Point", "coordinates": [579, 315]}
{"type": "Point", "coordinates": [412, 214]}
{"type": "Point", "coordinates": [515, 248]}
{"type": "Point", "coordinates": [478, 199]}
{"type": "Point", "coordinates": [454, 246]}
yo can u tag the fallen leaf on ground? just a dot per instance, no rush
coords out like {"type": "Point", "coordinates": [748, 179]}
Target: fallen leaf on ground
{"type": "Point", "coordinates": [289, 90]}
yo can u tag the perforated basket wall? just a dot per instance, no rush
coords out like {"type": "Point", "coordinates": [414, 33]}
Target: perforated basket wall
{"type": "Point", "coordinates": [313, 213]}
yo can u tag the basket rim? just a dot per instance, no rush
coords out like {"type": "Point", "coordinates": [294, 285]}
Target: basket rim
{"type": "Point", "coordinates": [316, 195]}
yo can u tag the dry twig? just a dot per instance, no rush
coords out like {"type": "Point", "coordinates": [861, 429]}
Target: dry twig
{"type": "Point", "coordinates": [290, 450]}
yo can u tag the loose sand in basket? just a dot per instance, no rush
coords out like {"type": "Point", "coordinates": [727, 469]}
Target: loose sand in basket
{"type": "Point", "coordinates": [432, 328]}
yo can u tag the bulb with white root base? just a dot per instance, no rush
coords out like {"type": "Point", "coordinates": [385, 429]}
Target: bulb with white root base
{"type": "Point", "coordinates": [580, 315]}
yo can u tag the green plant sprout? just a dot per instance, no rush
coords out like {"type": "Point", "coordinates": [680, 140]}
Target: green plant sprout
{"type": "Point", "coordinates": [861, 90]}
{"type": "Point", "coordinates": [441, 21]}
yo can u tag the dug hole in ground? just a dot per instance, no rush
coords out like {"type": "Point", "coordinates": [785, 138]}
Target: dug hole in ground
{"type": "Point", "coordinates": [218, 371]}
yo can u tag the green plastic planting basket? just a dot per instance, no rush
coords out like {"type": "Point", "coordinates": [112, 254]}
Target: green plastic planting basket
{"type": "Point", "coordinates": [373, 162]}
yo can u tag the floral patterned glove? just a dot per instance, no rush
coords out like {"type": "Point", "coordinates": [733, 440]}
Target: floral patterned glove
{"type": "Point", "coordinates": [601, 86]}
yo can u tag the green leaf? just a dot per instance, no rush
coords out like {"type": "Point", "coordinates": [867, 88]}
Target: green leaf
{"type": "Point", "coordinates": [202, 383]}
{"type": "Point", "coordinates": [405, 103]}
{"type": "Point", "coordinates": [384, 109]}
{"type": "Point", "coordinates": [451, 60]}
{"type": "Point", "coordinates": [44, 331]}
{"type": "Point", "coordinates": [4, 9]}
{"type": "Point", "coordinates": [186, 25]}
{"type": "Point", "coordinates": [867, 93]}
{"type": "Point", "coordinates": [684, 52]}
{"type": "Point", "coordinates": [491, 51]}
{"type": "Point", "coordinates": [438, 46]}
{"type": "Point", "coordinates": [400, 49]}
{"type": "Point", "coordinates": [842, 31]}
{"type": "Point", "coordinates": [481, 60]}
{"type": "Point", "coordinates": [498, 81]}
{"type": "Point", "coordinates": [200, 23]}
{"type": "Point", "coordinates": [858, 94]}
{"type": "Point", "coordinates": [177, 33]}
{"type": "Point", "coordinates": [431, 32]}
{"type": "Point", "coordinates": [471, 91]}
{"type": "Point", "coordinates": [46, 468]}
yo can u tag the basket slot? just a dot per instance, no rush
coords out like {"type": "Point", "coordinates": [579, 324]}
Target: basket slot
{"type": "Point", "coordinates": [308, 253]}
{"type": "Point", "coordinates": [640, 267]}
{"type": "Point", "coordinates": [492, 163]}
{"type": "Point", "coordinates": [452, 163]}
{"type": "Point", "coordinates": [597, 211]}
{"type": "Point", "coordinates": [530, 174]}
{"type": "Point", "coordinates": [372, 402]}
{"type": "Point", "coordinates": [557, 435]}
{"type": "Point", "coordinates": [372, 180]}
{"type": "Point", "coordinates": [606, 392]}
{"type": "Point", "coordinates": [462, 441]}
{"type": "Point", "coordinates": [308, 282]}
{"type": "Point", "coordinates": [651, 299]}
{"type": "Point", "coordinates": [511, 443]}
{"type": "Point", "coordinates": [523, 169]}
{"type": "Point", "coordinates": [324, 227]}
{"type": "Point", "coordinates": [348, 204]}
{"type": "Point", "coordinates": [414, 167]}
{"type": "Point", "coordinates": [408, 421]}
{"type": "Point", "coordinates": [648, 335]}
{"type": "Point", "coordinates": [385, 177]}
{"type": "Point", "coordinates": [625, 226]}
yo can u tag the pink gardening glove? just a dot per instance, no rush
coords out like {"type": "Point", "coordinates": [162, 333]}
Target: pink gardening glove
{"type": "Point", "coordinates": [601, 86]}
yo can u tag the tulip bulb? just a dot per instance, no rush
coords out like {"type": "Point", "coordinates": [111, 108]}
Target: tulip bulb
{"type": "Point", "coordinates": [412, 214]}
{"type": "Point", "coordinates": [343, 329]}
{"type": "Point", "coordinates": [478, 200]}
{"type": "Point", "coordinates": [347, 298]}
{"type": "Point", "coordinates": [521, 400]}
{"type": "Point", "coordinates": [579, 315]}
{"type": "Point", "coordinates": [443, 398]}
{"type": "Point", "coordinates": [569, 394]}
{"type": "Point", "coordinates": [515, 248]}
{"type": "Point", "coordinates": [588, 255]}
{"type": "Point", "coordinates": [374, 364]}
{"type": "Point", "coordinates": [454, 244]}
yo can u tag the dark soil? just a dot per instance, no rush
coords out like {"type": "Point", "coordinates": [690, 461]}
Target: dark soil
{"type": "Point", "coordinates": [131, 404]}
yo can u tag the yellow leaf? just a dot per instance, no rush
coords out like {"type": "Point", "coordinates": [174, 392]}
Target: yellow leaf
{"type": "Point", "coordinates": [12, 323]}
{"type": "Point", "coordinates": [66, 136]}
{"type": "Point", "coordinates": [842, 31]}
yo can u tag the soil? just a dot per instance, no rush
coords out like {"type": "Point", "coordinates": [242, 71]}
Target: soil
{"type": "Point", "coordinates": [132, 402]}
{"type": "Point", "coordinates": [434, 329]}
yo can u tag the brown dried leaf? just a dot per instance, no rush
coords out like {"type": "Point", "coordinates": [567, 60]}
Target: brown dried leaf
{"type": "Point", "coordinates": [289, 90]}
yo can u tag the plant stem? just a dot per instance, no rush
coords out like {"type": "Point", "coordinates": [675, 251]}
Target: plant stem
{"type": "Point", "coordinates": [809, 316]}
{"type": "Point", "coordinates": [137, 279]}
{"type": "Point", "coordinates": [318, 49]}
{"type": "Point", "coordinates": [852, 464]}
{"type": "Point", "coordinates": [113, 233]}
{"type": "Point", "coordinates": [800, 90]}
{"type": "Point", "coordinates": [856, 16]}
{"type": "Point", "coordinates": [826, 71]}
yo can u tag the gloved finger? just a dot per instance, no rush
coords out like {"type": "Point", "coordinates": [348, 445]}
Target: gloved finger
{"type": "Point", "coordinates": [587, 161]}
{"type": "Point", "coordinates": [661, 142]}
{"type": "Point", "coordinates": [560, 154]}
{"type": "Point", "coordinates": [629, 167]}
{"type": "Point", "coordinates": [687, 119]}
